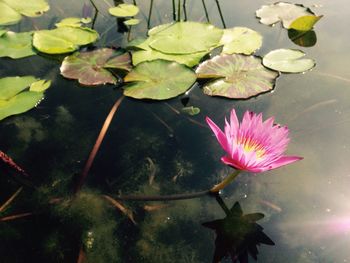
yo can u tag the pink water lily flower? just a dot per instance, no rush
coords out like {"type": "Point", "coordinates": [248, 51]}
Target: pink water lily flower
{"type": "Point", "coordinates": [253, 145]}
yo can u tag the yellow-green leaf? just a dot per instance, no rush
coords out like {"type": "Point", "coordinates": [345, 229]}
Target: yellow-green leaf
{"type": "Point", "coordinates": [305, 23]}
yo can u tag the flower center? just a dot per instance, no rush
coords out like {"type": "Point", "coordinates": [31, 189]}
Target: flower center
{"type": "Point", "coordinates": [250, 145]}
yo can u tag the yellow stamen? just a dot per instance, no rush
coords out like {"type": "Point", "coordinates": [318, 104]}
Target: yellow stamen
{"type": "Point", "coordinates": [250, 145]}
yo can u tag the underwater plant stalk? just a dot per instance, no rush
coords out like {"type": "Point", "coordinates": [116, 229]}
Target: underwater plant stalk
{"type": "Point", "coordinates": [179, 10]}
{"type": "Point", "coordinates": [163, 197]}
{"type": "Point", "coordinates": [220, 13]}
{"type": "Point", "coordinates": [225, 182]}
{"type": "Point", "coordinates": [98, 144]}
{"type": "Point", "coordinates": [174, 12]}
{"type": "Point", "coordinates": [206, 11]}
{"type": "Point", "coordinates": [222, 204]}
{"type": "Point", "coordinates": [184, 8]}
{"type": "Point", "coordinates": [149, 14]}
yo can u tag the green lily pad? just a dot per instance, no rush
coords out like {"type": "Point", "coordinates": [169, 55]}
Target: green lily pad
{"type": "Point", "coordinates": [241, 40]}
{"type": "Point", "coordinates": [8, 16]}
{"type": "Point", "coordinates": [90, 68]}
{"type": "Point", "coordinates": [40, 85]}
{"type": "Point", "coordinates": [159, 28]}
{"type": "Point", "coordinates": [288, 60]}
{"type": "Point", "coordinates": [131, 22]}
{"type": "Point", "coordinates": [284, 12]}
{"type": "Point", "coordinates": [20, 94]}
{"type": "Point", "coordinates": [236, 76]}
{"type": "Point", "coordinates": [148, 54]}
{"type": "Point", "coordinates": [124, 10]}
{"type": "Point", "coordinates": [158, 80]}
{"type": "Point", "coordinates": [16, 45]}
{"type": "Point", "coordinates": [304, 23]}
{"type": "Point", "coordinates": [11, 11]}
{"type": "Point", "coordinates": [186, 38]}
{"type": "Point", "coordinates": [63, 39]}
{"type": "Point", "coordinates": [10, 86]}
{"type": "Point", "coordinates": [191, 110]}
{"type": "Point", "coordinates": [70, 21]}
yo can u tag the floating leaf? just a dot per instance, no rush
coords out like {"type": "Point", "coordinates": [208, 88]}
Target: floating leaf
{"type": "Point", "coordinates": [63, 39]}
{"type": "Point", "coordinates": [40, 85]}
{"type": "Point", "coordinates": [90, 68]}
{"type": "Point", "coordinates": [301, 38]}
{"type": "Point", "coordinates": [288, 60]}
{"type": "Point", "coordinates": [189, 60]}
{"type": "Point", "coordinates": [31, 8]}
{"type": "Point", "coordinates": [11, 11]}
{"type": "Point", "coordinates": [238, 76]}
{"type": "Point", "coordinates": [8, 16]}
{"type": "Point", "coordinates": [15, 97]}
{"type": "Point", "coordinates": [148, 54]}
{"type": "Point", "coordinates": [285, 12]}
{"type": "Point", "coordinates": [240, 40]}
{"type": "Point", "coordinates": [191, 110]}
{"type": "Point", "coordinates": [70, 21]}
{"type": "Point", "coordinates": [124, 10]}
{"type": "Point", "coordinates": [132, 22]}
{"type": "Point", "coordinates": [304, 23]}
{"type": "Point", "coordinates": [86, 20]}
{"type": "Point", "coordinates": [10, 86]}
{"type": "Point", "coordinates": [185, 38]}
{"type": "Point", "coordinates": [158, 80]}
{"type": "Point", "coordinates": [159, 28]}
{"type": "Point", "coordinates": [16, 45]}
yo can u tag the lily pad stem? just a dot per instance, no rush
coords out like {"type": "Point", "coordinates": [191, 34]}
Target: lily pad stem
{"type": "Point", "coordinates": [225, 182]}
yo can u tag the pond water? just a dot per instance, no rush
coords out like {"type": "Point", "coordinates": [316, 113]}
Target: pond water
{"type": "Point", "coordinates": [150, 148]}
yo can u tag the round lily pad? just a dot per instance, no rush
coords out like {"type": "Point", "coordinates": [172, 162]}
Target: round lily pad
{"type": "Point", "coordinates": [288, 60]}
{"type": "Point", "coordinates": [63, 39]}
{"type": "Point", "coordinates": [90, 68]}
{"type": "Point", "coordinates": [185, 38]}
{"type": "Point", "coordinates": [236, 76]}
{"type": "Point", "coordinates": [20, 94]}
{"type": "Point", "coordinates": [124, 10]}
{"type": "Point", "coordinates": [8, 16]}
{"type": "Point", "coordinates": [241, 40]}
{"type": "Point", "coordinates": [158, 80]}
{"type": "Point", "coordinates": [16, 45]}
{"type": "Point", "coordinates": [284, 12]}
{"type": "Point", "coordinates": [189, 60]}
{"type": "Point", "coordinates": [11, 11]}
{"type": "Point", "coordinates": [132, 22]}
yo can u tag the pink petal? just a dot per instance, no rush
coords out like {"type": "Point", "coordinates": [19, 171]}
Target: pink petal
{"type": "Point", "coordinates": [232, 162]}
{"type": "Point", "coordinates": [220, 136]}
{"type": "Point", "coordinates": [234, 123]}
{"type": "Point", "coordinates": [284, 160]}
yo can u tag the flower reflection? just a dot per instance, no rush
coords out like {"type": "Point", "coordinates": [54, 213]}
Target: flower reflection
{"type": "Point", "coordinates": [237, 235]}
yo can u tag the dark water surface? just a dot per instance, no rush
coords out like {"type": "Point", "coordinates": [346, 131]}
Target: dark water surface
{"type": "Point", "coordinates": [306, 204]}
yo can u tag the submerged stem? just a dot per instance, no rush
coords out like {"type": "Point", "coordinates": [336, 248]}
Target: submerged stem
{"type": "Point", "coordinates": [225, 182]}
{"type": "Point", "coordinates": [163, 197]}
{"type": "Point", "coordinates": [98, 143]}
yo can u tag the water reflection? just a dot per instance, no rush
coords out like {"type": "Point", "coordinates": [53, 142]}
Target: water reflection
{"type": "Point", "coordinates": [237, 235]}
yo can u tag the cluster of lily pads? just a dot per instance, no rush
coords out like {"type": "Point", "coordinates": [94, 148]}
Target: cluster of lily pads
{"type": "Point", "coordinates": [168, 62]}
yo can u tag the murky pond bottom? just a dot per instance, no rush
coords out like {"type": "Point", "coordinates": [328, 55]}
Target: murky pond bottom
{"type": "Point", "coordinates": [153, 148]}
